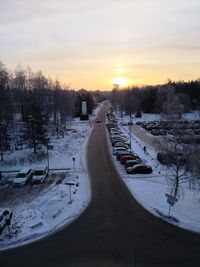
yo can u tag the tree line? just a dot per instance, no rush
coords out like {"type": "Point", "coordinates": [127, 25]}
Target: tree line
{"type": "Point", "coordinates": [169, 98]}
{"type": "Point", "coordinates": [31, 102]}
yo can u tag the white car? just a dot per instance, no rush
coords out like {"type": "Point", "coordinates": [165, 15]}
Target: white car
{"type": "Point", "coordinates": [39, 174]}
{"type": "Point", "coordinates": [23, 177]}
{"type": "Point", "coordinates": [5, 218]}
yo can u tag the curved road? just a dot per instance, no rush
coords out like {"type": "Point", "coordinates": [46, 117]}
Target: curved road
{"type": "Point", "coordinates": [113, 231]}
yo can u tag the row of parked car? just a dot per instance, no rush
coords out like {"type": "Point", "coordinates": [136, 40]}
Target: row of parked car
{"type": "Point", "coordinates": [121, 148]}
{"type": "Point", "coordinates": [29, 175]}
{"type": "Point", "coordinates": [189, 131]}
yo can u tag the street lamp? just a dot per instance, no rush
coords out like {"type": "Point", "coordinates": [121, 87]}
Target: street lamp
{"type": "Point", "coordinates": [49, 147]}
{"type": "Point", "coordinates": [130, 130]}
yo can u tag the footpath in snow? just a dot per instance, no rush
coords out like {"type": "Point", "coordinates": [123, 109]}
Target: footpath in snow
{"type": "Point", "coordinates": [41, 209]}
{"type": "Point", "coordinates": [150, 189]}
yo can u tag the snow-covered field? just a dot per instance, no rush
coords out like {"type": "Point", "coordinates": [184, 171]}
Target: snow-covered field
{"type": "Point", "coordinates": [41, 209]}
{"type": "Point", "coordinates": [150, 189]}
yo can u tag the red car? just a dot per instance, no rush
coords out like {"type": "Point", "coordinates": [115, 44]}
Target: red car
{"type": "Point", "coordinates": [123, 159]}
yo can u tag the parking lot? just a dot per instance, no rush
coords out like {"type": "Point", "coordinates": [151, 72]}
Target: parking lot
{"type": "Point", "coordinates": [188, 131]}
{"type": "Point", "coordinates": [10, 194]}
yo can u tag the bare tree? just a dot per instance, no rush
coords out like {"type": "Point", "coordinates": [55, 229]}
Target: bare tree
{"type": "Point", "coordinates": [173, 105]}
{"type": "Point", "coordinates": [175, 155]}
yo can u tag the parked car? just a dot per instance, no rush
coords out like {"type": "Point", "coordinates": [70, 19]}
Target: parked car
{"type": "Point", "coordinates": [122, 153]}
{"type": "Point", "coordinates": [118, 136]}
{"type": "Point", "coordinates": [39, 174]}
{"type": "Point", "coordinates": [5, 218]}
{"type": "Point", "coordinates": [119, 140]}
{"type": "Point", "coordinates": [121, 144]}
{"type": "Point", "coordinates": [124, 158]}
{"type": "Point", "coordinates": [113, 136]}
{"type": "Point", "coordinates": [123, 123]}
{"type": "Point", "coordinates": [114, 130]}
{"type": "Point", "coordinates": [131, 163]}
{"type": "Point", "coordinates": [139, 168]}
{"type": "Point", "coordinates": [118, 149]}
{"type": "Point", "coordinates": [23, 177]}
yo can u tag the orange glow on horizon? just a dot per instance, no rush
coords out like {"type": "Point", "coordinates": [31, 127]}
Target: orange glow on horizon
{"type": "Point", "coordinates": [121, 81]}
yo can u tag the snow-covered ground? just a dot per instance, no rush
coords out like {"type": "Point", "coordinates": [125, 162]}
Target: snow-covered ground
{"type": "Point", "coordinates": [41, 209]}
{"type": "Point", "coordinates": [150, 189]}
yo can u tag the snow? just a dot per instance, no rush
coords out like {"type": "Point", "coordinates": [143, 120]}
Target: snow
{"type": "Point", "coordinates": [41, 209]}
{"type": "Point", "coordinates": [150, 189]}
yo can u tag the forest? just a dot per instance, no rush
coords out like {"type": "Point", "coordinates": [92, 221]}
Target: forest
{"type": "Point", "coordinates": [169, 98]}
{"type": "Point", "coordinates": [31, 102]}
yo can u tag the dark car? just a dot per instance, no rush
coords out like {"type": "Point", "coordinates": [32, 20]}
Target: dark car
{"type": "Point", "coordinates": [98, 121]}
{"type": "Point", "coordinates": [123, 153]}
{"type": "Point", "coordinates": [140, 168]}
{"type": "Point", "coordinates": [121, 144]}
{"type": "Point", "coordinates": [115, 141]}
{"type": "Point", "coordinates": [131, 163]}
{"type": "Point", "coordinates": [125, 158]}
{"type": "Point", "coordinates": [116, 136]}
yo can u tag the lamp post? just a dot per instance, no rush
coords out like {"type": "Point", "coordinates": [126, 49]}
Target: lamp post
{"type": "Point", "coordinates": [130, 129]}
{"type": "Point", "coordinates": [74, 163]}
{"type": "Point", "coordinates": [49, 147]}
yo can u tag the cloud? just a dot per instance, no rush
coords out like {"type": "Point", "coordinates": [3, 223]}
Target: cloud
{"type": "Point", "coordinates": [93, 36]}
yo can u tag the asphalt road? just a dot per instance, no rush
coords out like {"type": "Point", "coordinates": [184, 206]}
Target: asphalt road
{"type": "Point", "coordinates": [113, 231]}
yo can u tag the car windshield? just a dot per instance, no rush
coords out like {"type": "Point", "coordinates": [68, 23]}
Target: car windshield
{"type": "Point", "coordinates": [20, 175]}
{"type": "Point", "coordinates": [39, 172]}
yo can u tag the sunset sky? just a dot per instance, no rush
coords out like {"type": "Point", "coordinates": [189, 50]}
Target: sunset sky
{"type": "Point", "coordinates": [91, 43]}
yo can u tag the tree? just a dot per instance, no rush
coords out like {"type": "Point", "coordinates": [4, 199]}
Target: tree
{"type": "Point", "coordinates": [185, 101]}
{"type": "Point", "coordinates": [173, 105]}
{"type": "Point", "coordinates": [161, 97]}
{"type": "Point", "coordinates": [176, 156]}
{"type": "Point", "coordinates": [4, 93]}
{"type": "Point", "coordinates": [36, 131]}
{"type": "Point", "coordinates": [4, 140]}
{"type": "Point", "coordinates": [131, 103]}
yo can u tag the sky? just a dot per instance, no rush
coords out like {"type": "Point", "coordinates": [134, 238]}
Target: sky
{"type": "Point", "coordinates": [94, 43]}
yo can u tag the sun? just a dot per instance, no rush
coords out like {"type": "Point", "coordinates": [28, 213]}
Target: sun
{"type": "Point", "coordinates": [121, 81]}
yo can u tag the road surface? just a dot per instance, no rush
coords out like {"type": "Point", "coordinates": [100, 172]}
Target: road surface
{"type": "Point", "coordinates": [113, 231]}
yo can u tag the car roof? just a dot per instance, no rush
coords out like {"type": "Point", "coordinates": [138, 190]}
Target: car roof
{"type": "Point", "coordinates": [124, 152]}
{"type": "Point", "coordinates": [121, 143]}
{"type": "Point", "coordinates": [127, 155]}
{"type": "Point", "coordinates": [139, 165]}
{"type": "Point", "coordinates": [132, 160]}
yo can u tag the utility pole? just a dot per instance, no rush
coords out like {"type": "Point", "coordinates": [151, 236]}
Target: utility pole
{"type": "Point", "coordinates": [130, 130]}
{"type": "Point", "coordinates": [74, 163]}
{"type": "Point", "coordinates": [49, 147]}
